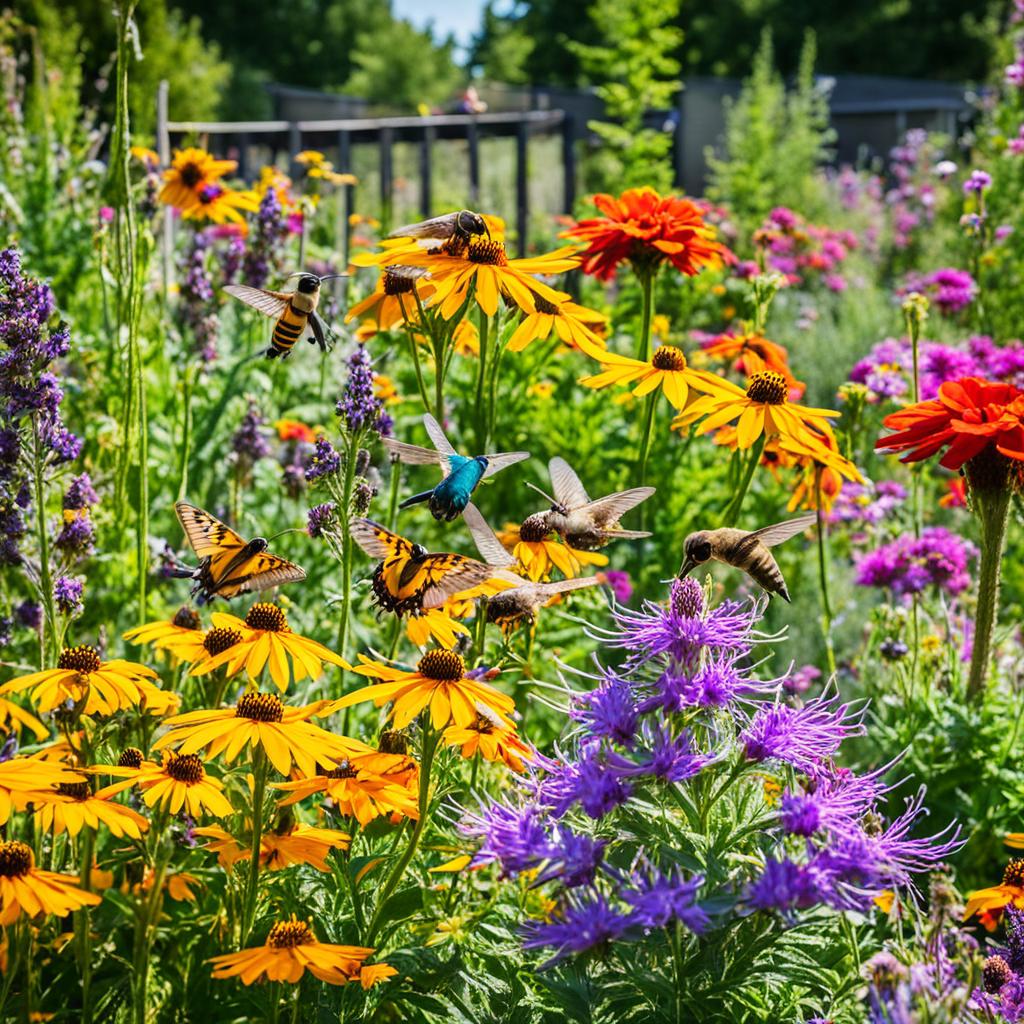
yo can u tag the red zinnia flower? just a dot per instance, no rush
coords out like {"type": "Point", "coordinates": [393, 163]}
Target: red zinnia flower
{"type": "Point", "coordinates": [647, 229]}
{"type": "Point", "coordinates": [967, 416]}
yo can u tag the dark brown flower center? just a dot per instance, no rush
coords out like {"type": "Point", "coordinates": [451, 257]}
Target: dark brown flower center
{"type": "Point", "coordinates": [344, 770]}
{"type": "Point", "coordinates": [489, 253]}
{"type": "Point", "coordinates": [483, 724]}
{"type": "Point", "coordinates": [190, 174]}
{"type": "Point", "coordinates": [218, 639]}
{"type": "Point", "coordinates": [398, 283]}
{"type": "Point", "coordinates": [535, 528]}
{"type": "Point", "coordinates": [767, 387]}
{"type": "Point", "coordinates": [131, 757]}
{"type": "Point", "coordinates": [446, 666]}
{"type": "Point", "coordinates": [260, 707]}
{"type": "Point", "coordinates": [186, 618]}
{"type": "Point", "coordinates": [543, 306]}
{"type": "Point", "coordinates": [1014, 873]}
{"type": "Point", "coordinates": [995, 974]}
{"type": "Point", "coordinates": [187, 768]}
{"type": "Point", "coordinates": [82, 658]}
{"type": "Point", "coordinates": [15, 859]}
{"type": "Point", "coordinates": [393, 742]}
{"type": "Point", "coordinates": [75, 790]}
{"type": "Point", "coordinates": [266, 616]}
{"type": "Point", "coordinates": [668, 357]}
{"type": "Point", "coordinates": [288, 934]}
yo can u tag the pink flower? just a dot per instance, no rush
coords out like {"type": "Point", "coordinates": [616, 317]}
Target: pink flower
{"type": "Point", "coordinates": [106, 214]}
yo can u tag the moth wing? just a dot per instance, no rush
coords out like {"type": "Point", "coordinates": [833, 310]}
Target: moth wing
{"type": "Point", "coordinates": [491, 549]}
{"type": "Point", "coordinates": [319, 330]}
{"type": "Point", "coordinates": [568, 488]}
{"type": "Point", "coordinates": [437, 436]}
{"type": "Point", "coordinates": [207, 535]}
{"type": "Point", "coordinates": [613, 507]}
{"type": "Point", "coordinates": [265, 571]}
{"type": "Point", "coordinates": [435, 227]}
{"type": "Point", "coordinates": [413, 454]}
{"type": "Point", "coordinates": [498, 462]}
{"type": "Point", "coordinates": [376, 540]}
{"type": "Point", "coordinates": [447, 574]}
{"type": "Point", "coordinates": [628, 534]}
{"type": "Point", "coordinates": [271, 304]}
{"type": "Point", "coordinates": [769, 536]}
{"type": "Point", "coordinates": [563, 586]}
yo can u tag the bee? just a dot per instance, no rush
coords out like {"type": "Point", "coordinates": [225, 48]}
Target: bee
{"type": "Point", "coordinates": [228, 564]}
{"type": "Point", "coordinates": [584, 524]}
{"type": "Point", "coordinates": [453, 230]}
{"type": "Point", "coordinates": [746, 550]}
{"type": "Point", "coordinates": [461, 473]}
{"type": "Point", "coordinates": [292, 312]}
{"type": "Point", "coordinates": [518, 605]}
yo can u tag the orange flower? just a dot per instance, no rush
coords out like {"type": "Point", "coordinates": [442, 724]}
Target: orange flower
{"type": "Point", "coordinates": [990, 903]}
{"type": "Point", "coordinates": [294, 430]}
{"type": "Point", "coordinates": [647, 229]}
{"type": "Point", "coordinates": [191, 170]}
{"type": "Point", "coordinates": [968, 416]}
{"type": "Point", "coordinates": [956, 495]}
{"type": "Point", "coordinates": [751, 353]}
{"type": "Point", "coordinates": [492, 738]}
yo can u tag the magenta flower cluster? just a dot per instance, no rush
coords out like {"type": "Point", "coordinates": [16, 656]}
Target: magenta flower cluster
{"type": "Point", "coordinates": [804, 253]}
{"type": "Point", "coordinates": [909, 565]}
{"type": "Point", "coordinates": [950, 289]}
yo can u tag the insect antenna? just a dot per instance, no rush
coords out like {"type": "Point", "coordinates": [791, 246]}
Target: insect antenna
{"type": "Point", "coordinates": [281, 533]}
{"type": "Point", "coordinates": [543, 494]}
{"type": "Point", "coordinates": [331, 277]}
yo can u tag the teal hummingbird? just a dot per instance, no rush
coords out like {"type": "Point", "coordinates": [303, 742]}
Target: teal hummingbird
{"type": "Point", "coordinates": [461, 473]}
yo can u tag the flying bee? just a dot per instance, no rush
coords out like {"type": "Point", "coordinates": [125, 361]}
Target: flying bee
{"type": "Point", "coordinates": [292, 312]}
{"type": "Point", "coordinates": [746, 550]}
{"type": "Point", "coordinates": [451, 230]}
{"type": "Point", "coordinates": [511, 608]}
{"type": "Point", "coordinates": [584, 524]}
{"type": "Point", "coordinates": [461, 473]}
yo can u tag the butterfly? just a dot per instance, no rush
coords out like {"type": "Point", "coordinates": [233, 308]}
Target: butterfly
{"type": "Point", "coordinates": [411, 579]}
{"type": "Point", "coordinates": [461, 473]}
{"type": "Point", "coordinates": [228, 565]}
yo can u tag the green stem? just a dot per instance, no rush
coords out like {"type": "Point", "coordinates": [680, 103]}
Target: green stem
{"type": "Point", "coordinates": [645, 450]}
{"type": "Point", "coordinates": [348, 488]}
{"type": "Point", "coordinates": [83, 924]}
{"type": "Point", "coordinates": [49, 641]}
{"type": "Point", "coordinates": [147, 919]}
{"type": "Point", "coordinates": [826, 604]}
{"type": "Point", "coordinates": [732, 512]}
{"type": "Point", "coordinates": [186, 432]}
{"type": "Point", "coordinates": [643, 350]}
{"type": "Point", "coordinates": [394, 485]}
{"type": "Point", "coordinates": [259, 768]}
{"type": "Point", "coordinates": [478, 406]}
{"type": "Point", "coordinates": [430, 740]}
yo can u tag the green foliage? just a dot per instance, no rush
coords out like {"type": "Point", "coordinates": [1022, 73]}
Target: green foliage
{"type": "Point", "coordinates": [634, 72]}
{"type": "Point", "coordinates": [502, 48]}
{"type": "Point", "coordinates": [775, 140]}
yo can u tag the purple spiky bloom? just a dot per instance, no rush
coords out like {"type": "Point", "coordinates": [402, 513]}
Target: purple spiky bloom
{"type": "Point", "coordinates": [662, 755]}
{"type": "Point", "coordinates": [581, 923]}
{"type": "Point", "coordinates": [324, 461]}
{"type": "Point", "coordinates": [608, 711]}
{"type": "Point", "coordinates": [512, 837]}
{"type": "Point", "coordinates": [659, 898]}
{"type": "Point", "coordinates": [320, 518]}
{"type": "Point", "coordinates": [359, 407]}
{"type": "Point", "coordinates": [574, 859]}
{"type": "Point", "coordinates": [67, 592]}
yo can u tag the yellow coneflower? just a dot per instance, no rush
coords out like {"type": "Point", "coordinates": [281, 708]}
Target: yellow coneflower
{"type": "Point", "coordinates": [393, 301]}
{"type": "Point", "coordinates": [666, 369]}
{"type": "Point", "coordinates": [466, 340]}
{"type": "Point", "coordinates": [301, 844]}
{"type": "Point", "coordinates": [101, 687]}
{"type": "Point", "coordinates": [438, 623]}
{"type": "Point", "coordinates": [572, 323]}
{"type": "Point", "coordinates": [24, 778]}
{"type": "Point", "coordinates": [180, 781]}
{"type": "Point", "coordinates": [439, 682]}
{"type": "Point", "coordinates": [191, 170]}
{"type": "Point", "coordinates": [493, 739]}
{"type": "Point", "coordinates": [73, 806]}
{"type": "Point", "coordinates": [221, 205]}
{"type": "Point", "coordinates": [539, 550]}
{"type": "Point", "coordinates": [990, 903]}
{"type": "Point", "coordinates": [258, 720]}
{"type": "Point", "coordinates": [181, 635]}
{"type": "Point", "coordinates": [265, 638]}
{"type": "Point", "coordinates": [292, 949]}
{"type": "Point", "coordinates": [25, 889]}
{"type": "Point", "coordinates": [14, 718]}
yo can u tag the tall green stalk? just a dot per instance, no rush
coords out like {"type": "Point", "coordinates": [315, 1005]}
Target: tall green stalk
{"type": "Point", "coordinates": [732, 511]}
{"type": "Point", "coordinates": [643, 349]}
{"type": "Point", "coordinates": [48, 646]}
{"type": "Point", "coordinates": [259, 769]}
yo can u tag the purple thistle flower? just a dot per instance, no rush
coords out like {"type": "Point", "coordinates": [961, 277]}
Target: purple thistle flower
{"type": "Point", "coordinates": [786, 886]}
{"type": "Point", "coordinates": [359, 407]}
{"type": "Point", "coordinates": [589, 780]}
{"type": "Point", "coordinates": [977, 181]}
{"type": "Point", "coordinates": [658, 899]}
{"type": "Point", "coordinates": [609, 711]}
{"type": "Point", "coordinates": [572, 858]}
{"type": "Point", "coordinates": [324, 461]}
{"type": "Point", "coordinates": [67, 592]}
{"type": "Point", "coordinates": [804, 737]}
{"type": "Point", "coordinates": [582, 922]}
{"type": "Point", "coordinates": [666, 757]}
{"type": "Point", "coordinates": [80, 493]}
{"type": "Point", "coordinates": [320, 518]}
{"type": "Point", "coordinates": [29, 614]}
{"type": "Point", "coordinates": [513, 837]}
{"type": "Point", "coordinates": [909, 564]}
{"type": "Point", "coordinates": [621, 586]}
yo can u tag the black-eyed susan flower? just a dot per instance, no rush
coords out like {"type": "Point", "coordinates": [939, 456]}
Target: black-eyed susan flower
{"type": "Point", "coordinates": [436, 623]}
{"type": "Point", "coordinates": [24, 778]}
{"type": "Point", "coordinates": [180, 781]}
{"type": "Point", "coordinates": [266, 639]}
{"type": "Point", "coordinates": [259, 721]}
{"type": "Point", "coordinates": [438, 683]}
{"type": "Point", "coordinates": [219, 204]}
{"type": "Point", "coordinates": [296, 844]}
{"type": "Point", "coordinates": [538, 550]}
{"type": "Point", "coordinates": [491, 738]}
{"type": "Point", "coordinates": [25, 889]}
{"type": "Point", "coordinates": [572, 323]}
{"type": "Point", "coordinates": [100, 687]}
{"type": "Point", "coordinates": [14, 718]}
{"type": "Point", "coordinates": [191, 170]}
{"type": "Point", "coordinates": [182, 635]}
{"type": "Point", "coordinates": [292, 949]}
{"type": "Point", "coordinates": [990, 903]}
{"type": "Point", "coordinates": [73, 806]}
{"type": "Point", "coordinates": [393, 301]}
{"type": "Point", "coordinates": [666, 369]}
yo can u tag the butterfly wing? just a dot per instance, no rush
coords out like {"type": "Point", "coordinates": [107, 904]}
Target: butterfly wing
{"type": "Point", "coordinates": [208, 536]}
{"type": "Point", "coordinates": [491, 549]}
{"type": "Point", "coordinates": [260, 572]}
{"type": "Point", "coordinates": [769, 536]}
{"type": "Point", "coordinates": [613, 507]}
{"type": "Point", "coordinates": [271, 304]}
{"type": "Point", "coordinates": [378, 541]}
{"type": "Point", "coordinates": [500, 460]}
{"type": "Point", "coordinates": [569, 490]}
{"type": "Point", "coordinates": [446, 574]}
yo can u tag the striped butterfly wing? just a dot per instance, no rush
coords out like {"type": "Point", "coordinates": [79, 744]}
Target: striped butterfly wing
{"type": "Point", "coordinates": [210, 538]}
{"type": "Point", "coordinates": [446, 574]}
{"type": "Point", "coordinates": [378, 541]}
{"type": "Point", "coordinates": [269, 303]}
{"type": "Point", "coordinates": [260, 572]}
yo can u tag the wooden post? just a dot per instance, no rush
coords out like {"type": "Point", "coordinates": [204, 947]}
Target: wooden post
{"type": "Point", "coordinates": [163, 145]}
{"type": "Point", "coordinates": [568, 164]}
{"type": "Point", "coordinates": [473, 138]}
{"type": "Point", "coordinates": [386, 138]}
{"type": "Point", "coordinates": [343, 235]}
{"type": "Point", "coordinates": [522, 187]}
{"type": "Point", "coordinates": [426, 156]}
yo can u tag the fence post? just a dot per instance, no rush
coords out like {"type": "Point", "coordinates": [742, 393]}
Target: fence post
{"type": "Point", "coordinates": [163, 145]}
{"type": "Point", "coordinates": [522, 186]}
{"type": "Point", "coordinates": [568, 163]}
{"type": "Point", "coordinates": [243, 155]}
{"type": "Point", "coordinates": [294, 148]}
{"type": "Point", "coordinates": [386, 177]}
{"type": "Point", "coordinates": [343, 231]}
{"type": "Point", "coordinates": [426, 157]}
{"type": "Point", "coordinates": [473, 138]}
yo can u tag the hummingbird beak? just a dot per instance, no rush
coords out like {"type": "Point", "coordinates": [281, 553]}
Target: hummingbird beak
{"type": "Point", "coordinates": [686, 567]}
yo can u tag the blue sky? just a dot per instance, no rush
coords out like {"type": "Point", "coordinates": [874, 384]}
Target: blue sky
{"type": "Point", "coordinates": [459, 17]}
